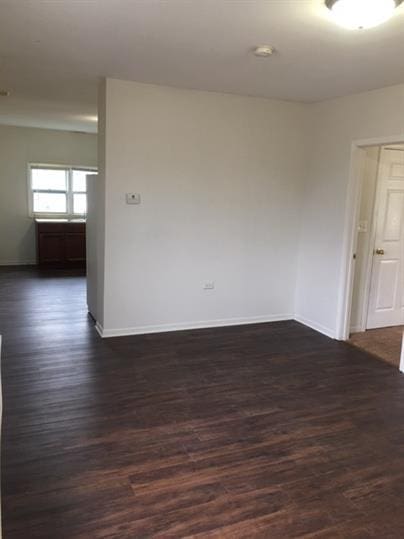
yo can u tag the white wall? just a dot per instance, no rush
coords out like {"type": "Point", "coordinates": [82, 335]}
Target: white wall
{"type": "Point", "coordinates": [337, 123]}
{"type": "Point", "coordinates": [221, 181]}
{"type": "Point", "coordinates": [18, 147]}
{"type": "Point", "coordinates": [99, 206]}
{"type": "Point", "coordinates": [227, 196]}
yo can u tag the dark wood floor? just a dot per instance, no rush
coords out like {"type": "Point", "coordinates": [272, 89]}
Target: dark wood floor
{"type": "Point", "coordinates": [265, 431]}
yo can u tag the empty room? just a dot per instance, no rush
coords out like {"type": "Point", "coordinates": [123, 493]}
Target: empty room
{"type": "Point", "coordinates": [201, 269]}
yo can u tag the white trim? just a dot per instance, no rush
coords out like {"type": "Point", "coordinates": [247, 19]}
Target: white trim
{"type": "Point", "coordinates": [369, 266]}
{"type": "Point", "coordinates": [18, 263]}
{"type": "Point", "coordinates": [350, 236]}
{"type": "Point", "coordinates": [380, 141]}
{"type": "Point", "coordinates": [352, 207]}
{"type": "Point", "coordinates": [99, 329]}
{"type": "Point", "coordinates": [368, 254]}
{"type": "Point", "coordinates": [372, 241]}
{"type": "Point", "coordinates": [356, 329]}
{"type": "Point", "coordinates": [143, 330]}
{"type": "Point", "coordinates": [316, 326]}
{"type": "Point", "coordinates": [226, 322]}
{"type": "Point", "coordinates": [402, 356]}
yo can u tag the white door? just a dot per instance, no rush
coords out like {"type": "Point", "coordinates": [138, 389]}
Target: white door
{"type": "Point", "coordinates": [386, 301]}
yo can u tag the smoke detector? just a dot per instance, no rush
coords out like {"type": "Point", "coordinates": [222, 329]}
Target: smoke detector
{"type": "Point", "coordinates": [263, 51]}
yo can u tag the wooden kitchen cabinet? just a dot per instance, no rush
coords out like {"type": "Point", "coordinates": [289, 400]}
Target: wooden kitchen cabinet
{"type": "Point", "coordinates": [61, 243]}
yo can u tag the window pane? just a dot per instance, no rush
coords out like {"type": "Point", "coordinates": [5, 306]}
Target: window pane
{"type": "Point", "coordinates": [46, 178]}
{"type": "Point", "coordinates": [80, 180]}
{"type": "Point", "coordinates": [50, 203]}
{"type": "Point", "coordinates": [80, 203]}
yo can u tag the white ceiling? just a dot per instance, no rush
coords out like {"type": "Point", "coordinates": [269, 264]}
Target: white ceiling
{"type": "Point", "coordinates": [52, 52]}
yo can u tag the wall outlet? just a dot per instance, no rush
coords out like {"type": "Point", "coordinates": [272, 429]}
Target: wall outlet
{"type": "Point", "coordinates": [132, 198]}
{"type": "Point", "coordinates": [209, 285]}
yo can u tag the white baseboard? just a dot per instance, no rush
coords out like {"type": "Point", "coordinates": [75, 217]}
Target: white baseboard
{"type": "Point", "coordinates": [317, 327]}
{"type": "Point", "coordinates": [143, 330]}
{"type": "Point", "coordinates": [99, 329]}
{"type": "Point", "coordinates": [17, 262]}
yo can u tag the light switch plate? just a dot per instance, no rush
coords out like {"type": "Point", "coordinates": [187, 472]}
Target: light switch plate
{"type": "Point", "coordinates": [132, 198]}
{"type": "Point", "coordinates": [209, 285]}
{"type": "Point", "coordinates": [363, 226]}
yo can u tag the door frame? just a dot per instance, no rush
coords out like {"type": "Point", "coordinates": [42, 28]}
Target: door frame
{"type": "Point", "coordinates": [351, 223]}
{"type": "Point", "coordinates": [368, 255]}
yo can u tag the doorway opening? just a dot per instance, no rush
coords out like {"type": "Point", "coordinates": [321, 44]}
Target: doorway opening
{"type": "Point", "coordinates": [376, 318]}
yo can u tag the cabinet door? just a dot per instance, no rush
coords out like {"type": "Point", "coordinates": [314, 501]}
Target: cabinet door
{"type": "Point", "coordinates": [75, 247]}
{"type": "Point", "coordinates": [51, 248]}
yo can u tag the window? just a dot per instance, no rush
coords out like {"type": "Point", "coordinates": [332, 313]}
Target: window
{"type": "Point", "coordinates": [58, 191]}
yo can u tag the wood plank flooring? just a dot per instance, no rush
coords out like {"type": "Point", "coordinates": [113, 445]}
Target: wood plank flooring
{"type": "Point", "coordinates": [263, 431]}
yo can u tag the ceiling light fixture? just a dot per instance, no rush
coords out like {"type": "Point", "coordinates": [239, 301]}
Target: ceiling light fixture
{"type": "Point", "coordinates": [359, 14]}
{"type": "Point", "coordinates": [263, 51]}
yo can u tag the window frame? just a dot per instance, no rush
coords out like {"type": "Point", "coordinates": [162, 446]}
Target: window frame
{"type": "Point", "coordinates": [69, 214]}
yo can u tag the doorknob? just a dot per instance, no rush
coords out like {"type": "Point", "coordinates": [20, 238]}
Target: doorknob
{"type": "Point", "coordinates": [379, 251]}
